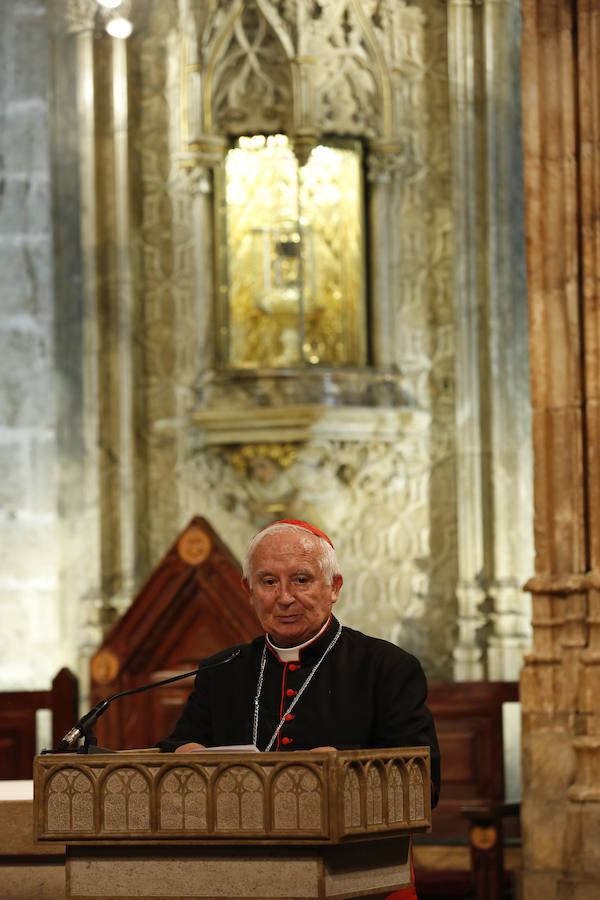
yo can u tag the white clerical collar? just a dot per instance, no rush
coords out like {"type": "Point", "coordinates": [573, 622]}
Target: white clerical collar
{"type": "Point", "coordinates": [292, 654]}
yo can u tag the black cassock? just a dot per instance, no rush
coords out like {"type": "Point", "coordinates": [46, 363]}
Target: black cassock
{"type": "Point", "coordinates": [366, 693]}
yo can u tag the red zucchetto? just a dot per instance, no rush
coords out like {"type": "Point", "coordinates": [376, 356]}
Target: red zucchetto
{"type": "Point", "coordinates": [306, 525]}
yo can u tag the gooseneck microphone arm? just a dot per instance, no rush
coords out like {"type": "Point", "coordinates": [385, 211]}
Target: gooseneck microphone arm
{"type": "Point", "coordinates": [83, 728]}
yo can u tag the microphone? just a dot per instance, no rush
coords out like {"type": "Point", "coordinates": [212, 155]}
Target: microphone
{"type": "Point", "coordinates": [83, 727]}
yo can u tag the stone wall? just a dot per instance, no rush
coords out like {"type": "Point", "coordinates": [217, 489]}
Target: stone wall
{"type": "Point", "coordinates": [33, 631]}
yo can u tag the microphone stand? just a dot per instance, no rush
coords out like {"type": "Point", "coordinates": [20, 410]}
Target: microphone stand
{"type": "Point", "coordinates": [84, 727]}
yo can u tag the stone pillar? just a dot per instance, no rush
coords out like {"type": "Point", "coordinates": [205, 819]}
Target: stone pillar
{"type": "Point", "coordinates": [507, 446]}
{"type": "Point", "coordinates": [559, 685]}
{"type": "Point", "coordinates": [123, 296]}
{"type": "Point", "coordinates": [80, 16]}
{"type": "Point", "coordinates": [108, 321]}
{"type": "Point", "coordinates": [468, 661]}
{"type": "Point", "coordinates": [383, 162]}
{"type": "Point", "coordinates": [492, 421]}
{"type": "Point", "coordinates": [199, 166]}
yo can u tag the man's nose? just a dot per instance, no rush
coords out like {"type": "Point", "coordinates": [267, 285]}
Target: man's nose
{"type": "Point", "coordinates": [285, 594]}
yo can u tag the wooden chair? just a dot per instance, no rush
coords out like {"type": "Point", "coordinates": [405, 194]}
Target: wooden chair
{"type": "Point", "coordinates": [490, 881]}
{"type": "Point", "coordinates": [469, 722]}
{"type": "Point", "coordinates": [18, 723]}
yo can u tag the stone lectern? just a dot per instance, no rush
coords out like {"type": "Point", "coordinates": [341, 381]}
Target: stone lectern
{"type": "Point", "coordinates": [234, 823]}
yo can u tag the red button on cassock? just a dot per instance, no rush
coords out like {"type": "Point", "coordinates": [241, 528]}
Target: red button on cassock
{"type": "Point", "coordinates": [286, 740]}
{"type": "Point", "coordinates": [289, 717]}
{"type": "Point", "coordinates": [293, 667]}
{"type": "Point", "coordinates": [291, 692]}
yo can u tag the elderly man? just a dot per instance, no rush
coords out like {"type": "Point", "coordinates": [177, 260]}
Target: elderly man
{"type": "Point", "coordinates": [309, 683]}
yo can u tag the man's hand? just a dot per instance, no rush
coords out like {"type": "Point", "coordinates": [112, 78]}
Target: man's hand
{"type": "Point", "coordinates": [325, 749]}
{"type": "Point", "coordinates": [191, 746]}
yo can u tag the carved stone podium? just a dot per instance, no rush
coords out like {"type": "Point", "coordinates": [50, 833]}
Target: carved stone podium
{"type": "Point", "coordinates": [234, 824]}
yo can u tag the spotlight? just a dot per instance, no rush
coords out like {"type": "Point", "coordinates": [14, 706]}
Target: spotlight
{"type": "Point", "coordinates": [119, 27]}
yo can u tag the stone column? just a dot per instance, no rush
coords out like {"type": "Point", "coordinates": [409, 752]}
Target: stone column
{"type": "Point", "coordinates": [493, 445]}
{"type": "Point", "coordinates": [80, 16]}
{"type": "Point", "coordinates": [559, 685]}
{"type": "Point", "coordinates": [507, 443]}
{"type": "Point", "coordinates": [199, 166]}
{"type": "Point", "coordinates": [468, 283]}
{"type": "Point", "coordinates": [124, 440]}
{"type": "Point", "coordinates": [383, 162]}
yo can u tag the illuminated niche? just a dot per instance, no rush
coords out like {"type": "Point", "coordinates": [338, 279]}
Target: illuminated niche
{"type": "Point", "coordinates": [290, 261]}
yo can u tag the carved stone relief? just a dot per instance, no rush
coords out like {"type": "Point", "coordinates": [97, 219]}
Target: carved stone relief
{"type": "Point", "coordinates": [80, 15]}
{"type": "Point", "coordinates": [372, 497]}
{"type": "Point", "coordinates": [303, 67]}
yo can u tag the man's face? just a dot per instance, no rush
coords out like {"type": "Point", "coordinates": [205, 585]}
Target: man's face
{"type": "Point", "coordinates": [289, 592]}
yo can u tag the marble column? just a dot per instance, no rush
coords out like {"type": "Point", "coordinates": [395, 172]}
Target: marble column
{"type": "Point", "coordinates": [492, 410]}
{"type": "Point", "coordinates": [469, 663]}
{"type": "Point", "coordinates": [559, 685]}
{"type": "Point", "coordinates": [508, 449]}
{"type": "Point", "coordinates": [384, 162]}
{"type": "Point", "coordinates": [199, 167]}
{"type": "Point", "coordinates": [202, 167]}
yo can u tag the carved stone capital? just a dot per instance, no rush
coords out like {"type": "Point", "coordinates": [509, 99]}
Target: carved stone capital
{"type": "Point", "coordinates": [465, 3]}
{"type": "Point", "coordinates": [384, 159]}
{"type": "Point", "coordinates": [197, 176]}
{"type": "Point", "coordinates": [206, 152]}
{"type": "Point", "coordinates": [80, 15]}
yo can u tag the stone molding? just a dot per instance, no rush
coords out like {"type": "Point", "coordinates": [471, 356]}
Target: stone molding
{"type": "Point", "coordinates": [301, 424]}
{"type": "Point", "coordinates": [563, 585]}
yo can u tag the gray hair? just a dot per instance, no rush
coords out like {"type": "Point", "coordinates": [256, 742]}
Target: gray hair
{"type": "Point", "coordinates": [327, 558]}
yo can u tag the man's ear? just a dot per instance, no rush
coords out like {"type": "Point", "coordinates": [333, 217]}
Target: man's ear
{"type": "Point", "coordinates": [336, 584]}
{"type": "Point", "coordinates": [248, 590]}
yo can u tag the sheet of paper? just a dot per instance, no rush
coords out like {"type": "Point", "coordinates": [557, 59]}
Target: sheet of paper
{"type": "Point", "coordinates": [246, 748]}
